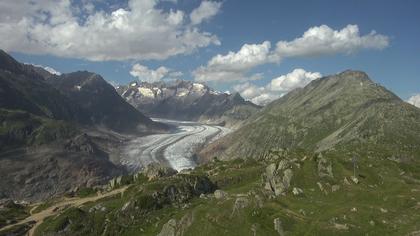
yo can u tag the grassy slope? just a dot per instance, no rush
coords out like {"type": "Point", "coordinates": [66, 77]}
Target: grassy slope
{"type": "Point", "coordinates": [387, 201]}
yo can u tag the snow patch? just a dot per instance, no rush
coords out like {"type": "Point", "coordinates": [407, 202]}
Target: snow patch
{"type": "Point", "coordinates": [146, 92]}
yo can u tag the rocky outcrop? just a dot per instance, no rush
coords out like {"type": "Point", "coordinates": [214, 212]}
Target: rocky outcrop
{"type": "Point", "coordinates": [277, 177]}
{"type": "Point", "coordinates": [324, 167]}
{"type": "Point", "coordinates": [177, 228]}
{"type": "Point", "coordinates": [156, 170]}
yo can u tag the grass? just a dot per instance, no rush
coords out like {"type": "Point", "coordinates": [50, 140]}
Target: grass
{"type": "Point", "coordinates": [385, 203]}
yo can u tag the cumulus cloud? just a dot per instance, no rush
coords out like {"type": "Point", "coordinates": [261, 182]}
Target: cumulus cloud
{"type": "Point", "coordinates": [322, 40]}
{"type": "Point", "coordinates": [316, 41]}
{"type": "Point", "coordinates": [149, 75]}
{"type": "Point", "coordinates": [205, 11]}
{"type": "Point", "coordinates": [234, 65]}
{"type": "Point", "coordinates": [137, 31]}
{"type": "Point", "coordinates": [295, 79]}
{"type": "Point", "coordinates": [277, 87]}
{"type": "Point", "coordinates": [415, 100]}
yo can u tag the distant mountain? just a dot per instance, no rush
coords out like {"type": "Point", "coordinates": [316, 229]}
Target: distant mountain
{"type": "Point", "coordinates": [347, 111]}
{"type": "Point", "coordinates": [186, 100]}
{"type": "Point", "coordinates": [102, 103]}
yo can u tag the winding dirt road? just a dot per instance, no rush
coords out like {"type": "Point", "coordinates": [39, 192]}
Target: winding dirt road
{"type": "Point", "coordinates": [60, 206]}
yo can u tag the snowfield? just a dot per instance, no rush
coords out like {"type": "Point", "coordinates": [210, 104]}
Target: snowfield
{"type": "Point", "coordinates": [175, 149]}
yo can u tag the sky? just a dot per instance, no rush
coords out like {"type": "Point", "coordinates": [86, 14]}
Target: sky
{"type": "Point", "coordinates": [261, 49]}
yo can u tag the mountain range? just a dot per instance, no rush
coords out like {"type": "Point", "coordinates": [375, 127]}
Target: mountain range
{"type": "Point", "coordinates": [186, 100]}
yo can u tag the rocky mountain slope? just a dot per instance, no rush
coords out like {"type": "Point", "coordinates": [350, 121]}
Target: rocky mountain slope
{"type": "Point", "coordinates": [49, 137]}
{"type": "Point", "coordinates": [102, 103]}
{"type": "Point", "coordinates": [186, 100]}
{"type": "Point", "coordinates": [345, 111]}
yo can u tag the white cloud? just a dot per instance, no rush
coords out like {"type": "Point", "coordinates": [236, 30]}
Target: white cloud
{"type": "Point", "coordinates": [149, 75]}
{"type": "Point", "coordinates": [234, 65]}
{"type": "Point", "coordinates": [295, 79]}
{"type": "Point", "coordinates": [316, 41]}
{"type": "Point", "coordinates": [322, 40]}
{"type": "Point", "coordinates": [277, 87]}
{"type": "Point", "coordinates": [205, 11]}
{"type": "Point", "coordinates": [61, 28]}
{"type": "Point", "coordinates": [415, 100]}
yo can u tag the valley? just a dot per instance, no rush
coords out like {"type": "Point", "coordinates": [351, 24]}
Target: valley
{"type": "Point", "coordinates": [175, 149]}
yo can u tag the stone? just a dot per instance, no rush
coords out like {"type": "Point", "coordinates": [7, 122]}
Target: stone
{"type": "Point", "coordinates": [220, 194]}
{"type": "Point", "coordinates": [240, 203]}
{"type": "Point", "coordinates": [335, 188]}
{"type": "Point", "coordinates": [384, 210]}
{"type": "Point", "coordinates": [346, 181]}
{"type": "Point", "coordinates": [278, 227]}
{"type": "Point", "coordinates": [297, 191]}
{"type": "Point", "coordinates": [157, 170]}
{"type": "Point", "coordinates": [276, 179]}
{"type": "Point", "coordinates": [168, 229]}
{"type": "Point", "coordinates": [355, 179]}
{"type": "Point", "coordinates": [324, 167]}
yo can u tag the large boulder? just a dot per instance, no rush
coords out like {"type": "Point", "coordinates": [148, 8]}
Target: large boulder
{"type": "Point", "coordinates": [324, 167]}
{"type": "Point", "coordinates": [277, 178]}
{"type": "Point", "coordinates": [156, 170]}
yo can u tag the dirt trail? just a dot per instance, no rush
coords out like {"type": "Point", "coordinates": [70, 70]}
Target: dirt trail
{"type": "Point", "coordinates": [58, 207]}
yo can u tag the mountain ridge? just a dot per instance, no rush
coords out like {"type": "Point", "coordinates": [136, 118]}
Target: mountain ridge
{"type": "Point", "coordinates": [338, 110]}
{"type": "Point", "coordinates": [187, 100]}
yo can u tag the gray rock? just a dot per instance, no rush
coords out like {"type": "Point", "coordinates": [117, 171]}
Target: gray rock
{"type": "Point", "coordinates": [297, 191]}
{"type": "Point", "coordinates": [157, 170]}
{"type": "Point", "coordinates": [324, 167]}
{"type": "Point", "coordinates": [177, 228]}
{"type": "Point", "coordinates": [278, 179]}
{"type": "Point", "coordinates": [220, 194]}
{"type": "Point", "coordinates": [278, 227]}
{"type": "Point", "coordinates": [168, 229]}
{"type": "Point", "coordinates": [240, 203]}
{"type": "Point", "coordinates": [335, 188]}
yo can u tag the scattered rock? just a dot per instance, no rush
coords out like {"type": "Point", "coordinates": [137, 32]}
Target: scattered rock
{"type": "Point", "coordinates": [220, 194]}
{"type": "Point", "coordinates": [341, 226]}
{"type": "Point", "coordinates": [355, 179]}
{"type": "Point", "coordinates": [372, 223]}
{"type": "Point", "coordinates": [346, 181]}
{"type": "Point", "coordinates": [354, 209]}
{"type": "Point", "coordinates": [383, 210]}
{"type": "Point", "coordinates": [297, 191]}
{"type": "Point", "coordinates": [335, 188]}
{"type": "Point", "coordinates": [240, 203]}
{"type": "Point", "coordinates": [278, 227]}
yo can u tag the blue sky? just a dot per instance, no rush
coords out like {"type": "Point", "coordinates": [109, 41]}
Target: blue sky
{"type": "Point", "coordinates": [225, 26]}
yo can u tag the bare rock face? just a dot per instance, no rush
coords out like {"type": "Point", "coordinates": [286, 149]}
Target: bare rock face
{"type": "Point", "coordinates": [177, 228]}
{"type": "Point", "coordinates": [324, 167]}
{"type": "Point", "coordinates": [278, 227]}
{"type": "Point", "coordinates": [277, 178]}
{"type": "Point", "coordinates": [156, 170]}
